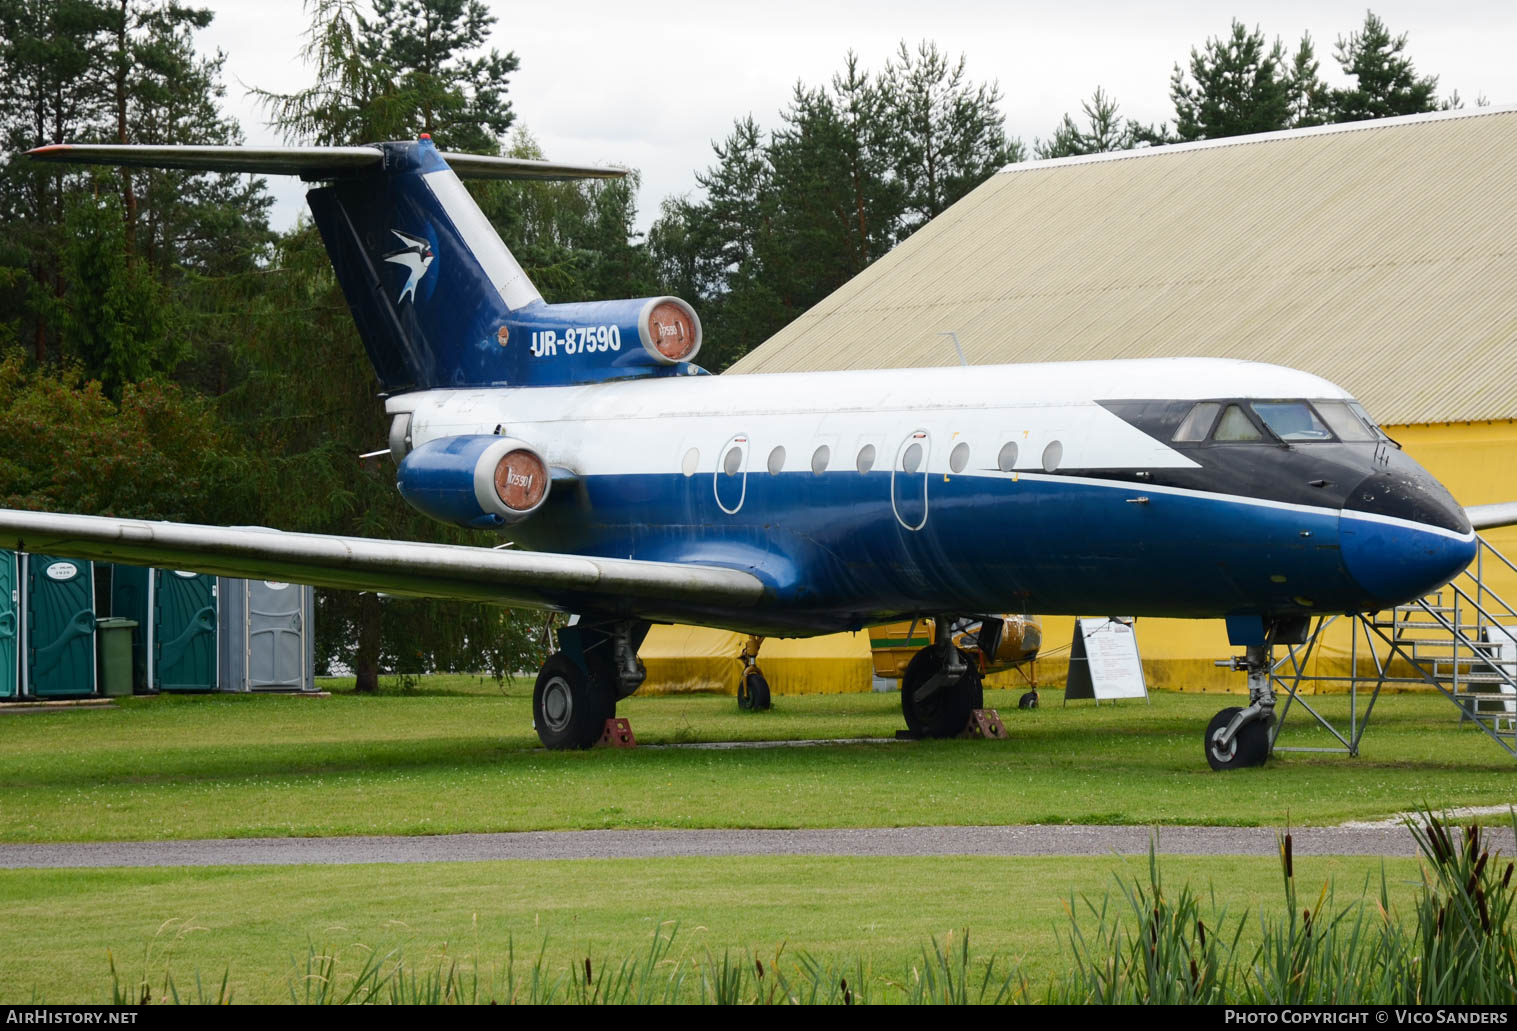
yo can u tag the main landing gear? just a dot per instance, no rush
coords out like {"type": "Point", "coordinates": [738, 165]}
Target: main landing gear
{"type": "Point", "coordinates": [1238, 737]}
{"type": "Point", "coordinates": [578, 687]}
{"type": "Point", "coordinates": [941, 688]}
{"type": "Point", "coordinates": [752, 687]}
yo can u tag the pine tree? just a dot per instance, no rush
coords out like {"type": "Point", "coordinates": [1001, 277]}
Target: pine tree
{"type": "Point", "coordinates": [398, 69]}
{"type": "Point", "coordinates": [854, 168]}
{"type": "Point", "coordinates": [55, 87]}
{"type": "Point", "coordinates": [949, 132]}
{"type": "Point", "coordinates": [1385, 82]}
{"type": "Point", "coordinates": [1233, 86]}
{"type": "Point", "coordinates": [1309, 97]}
{"type": "Point", "coordinates": [1106, 130]}
{"type": "Point", "coordinates": [444, 85]}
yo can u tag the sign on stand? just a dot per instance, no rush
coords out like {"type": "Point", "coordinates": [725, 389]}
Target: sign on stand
{"type": "Point", "coordinates": [1103, 661]}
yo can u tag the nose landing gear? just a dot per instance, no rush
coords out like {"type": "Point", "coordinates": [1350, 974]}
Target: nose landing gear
{"type": "Point", "coordinates": [1238, 737]}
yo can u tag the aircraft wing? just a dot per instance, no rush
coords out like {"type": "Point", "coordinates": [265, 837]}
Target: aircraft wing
{"type": "Point", "coordinates": [1488, 517]}
{"type": "Point", "coordinates": [306, 162]}
{"type": "Point", "coordinates": [506, 577]}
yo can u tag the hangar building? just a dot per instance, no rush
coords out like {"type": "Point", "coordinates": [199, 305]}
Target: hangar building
{"type": "Point", "coordinates": [1380, 255]}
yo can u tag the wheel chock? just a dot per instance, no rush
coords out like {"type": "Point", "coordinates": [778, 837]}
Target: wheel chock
{"type": "Point", "coordinates": [985, 723]}
{"type": "Point", "coordinates": [617, 734]}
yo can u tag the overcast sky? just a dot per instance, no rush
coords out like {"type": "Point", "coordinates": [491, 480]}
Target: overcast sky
{"type": "Point", "coordinates": [651, 84]}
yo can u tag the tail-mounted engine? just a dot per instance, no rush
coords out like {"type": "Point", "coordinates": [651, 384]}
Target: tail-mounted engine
{"type": "Point", "coordinates": [481, 482]}
{"type": "Point", "coordinates": [594, 341]}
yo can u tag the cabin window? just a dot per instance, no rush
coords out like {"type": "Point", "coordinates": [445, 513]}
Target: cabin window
{"type": "Point", "coordinates": [733, 462]}
{"type": "Point", "coordinates": [1006, 461]}
{"type": "Point", "coordinates": [1292, 421]}
{"type": "Point", "coordinates": [1235, 425]}
{"type": "Point", "coordinates": [819, 459]}
{"type": "Point", "coordinates": [911, 461]}
{"type": "Point", "coordinates": [1198, 423]}
{"type": "Point", "coordinates": [776, 461]}
{"type": "Point", "coordinates": [691, 462]}
{"type": "Point", "coordinates": [866, 458]}
{"type": "Point", "coordinates": [959, 457]}
{"type": "Point", "coordinates": [1053, 454]}
{"type": "Point", "coordinates": [1344, 422]}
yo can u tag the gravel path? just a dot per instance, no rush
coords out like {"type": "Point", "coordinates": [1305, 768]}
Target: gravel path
{"type": "Point", "coordinates": [625, 844]}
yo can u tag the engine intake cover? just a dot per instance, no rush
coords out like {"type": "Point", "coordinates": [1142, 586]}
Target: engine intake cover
{"type": "Point", "coordinates": [478, 481]}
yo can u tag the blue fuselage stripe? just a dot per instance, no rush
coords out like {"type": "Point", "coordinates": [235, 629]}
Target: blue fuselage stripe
{"type": "Point", "coordinates": [839, 543]}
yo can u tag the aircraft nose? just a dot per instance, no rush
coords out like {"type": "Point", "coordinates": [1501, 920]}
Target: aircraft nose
{"type": "Point", "coordinates": [1403, 535]}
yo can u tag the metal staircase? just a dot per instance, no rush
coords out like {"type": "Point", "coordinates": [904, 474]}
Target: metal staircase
{"type": "Point", "coordinates": [1461, 640]}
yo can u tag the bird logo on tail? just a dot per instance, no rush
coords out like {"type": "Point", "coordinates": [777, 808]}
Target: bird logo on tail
{"type": "Point", "coordinates": [417, 256]}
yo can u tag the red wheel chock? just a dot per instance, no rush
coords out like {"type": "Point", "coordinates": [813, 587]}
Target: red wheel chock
{"type": "Point", "coordinates": [985, 723]}
{"type": "Point", "coordinates": [618, 734]}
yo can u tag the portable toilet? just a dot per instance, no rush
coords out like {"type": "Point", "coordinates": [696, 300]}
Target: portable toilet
{"type": "Point", "coordinates": [10, 626]}
{"type": "Point", "coordinates": [58, 617]}
{"type": "Point", "coordinates": [174, 647]}
{"type": "Point", "coordinates": [267, 642]}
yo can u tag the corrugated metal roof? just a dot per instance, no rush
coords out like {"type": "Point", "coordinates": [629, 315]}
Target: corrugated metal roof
{"type": "Point", "coordinates": [1382, 256]}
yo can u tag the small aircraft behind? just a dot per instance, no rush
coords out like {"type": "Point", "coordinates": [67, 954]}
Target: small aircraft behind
{"type": "Point", "coordinates": [638, 489]}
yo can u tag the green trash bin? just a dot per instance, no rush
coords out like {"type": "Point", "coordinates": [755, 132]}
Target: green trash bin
{"type": "Point", "coordinates": [114, 636]}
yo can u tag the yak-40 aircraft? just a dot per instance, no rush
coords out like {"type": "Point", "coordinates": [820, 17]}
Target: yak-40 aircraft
{"type": "Point", "coordinates": [638, 489]}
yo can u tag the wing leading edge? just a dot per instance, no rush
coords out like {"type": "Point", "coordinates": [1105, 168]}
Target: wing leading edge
{"type": "Point", "coordinates": [533, 579]}
{"type": "Point", "coordinates": [1489, 517]}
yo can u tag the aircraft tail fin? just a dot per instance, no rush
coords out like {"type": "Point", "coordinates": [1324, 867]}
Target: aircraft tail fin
{"type": "Point", "coordinates": [428, 280]}
{"type": "Point", "coordinates": [438, 298]}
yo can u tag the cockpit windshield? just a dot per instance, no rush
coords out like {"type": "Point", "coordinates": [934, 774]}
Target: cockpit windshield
{"type": "Point", "coordinates": [1292, 421]}
{"type": "Point", "coordinates": [1287, 421]}
{"type": "Point", "coordinates": [1345, 422]}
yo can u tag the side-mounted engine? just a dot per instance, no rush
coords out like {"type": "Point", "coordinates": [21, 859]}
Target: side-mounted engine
{"type": "Point", "coordinates": [477, 481]}
{"type": "Point", "coordinates": [594, 341]}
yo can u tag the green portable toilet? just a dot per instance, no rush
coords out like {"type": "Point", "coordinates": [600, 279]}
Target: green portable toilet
{"type": "Point", "coordinates": [184, 631]}
{"type": "Point", "coordinates": [59, 607]}
{"type": "Point", "coordinates": [175, 644]}
{"type": "Point", "coordinates": [10, 625]}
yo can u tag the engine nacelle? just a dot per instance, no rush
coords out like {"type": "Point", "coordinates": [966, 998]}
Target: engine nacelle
{"type": "Point", "coordinates": [481, 482]}
{"type": "Point", "coordinates": [592, 341]}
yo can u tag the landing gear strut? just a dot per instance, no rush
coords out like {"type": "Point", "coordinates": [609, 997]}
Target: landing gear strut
{"type": "Point", "coordinates": [578, 687]}
{"type": "Point", "coordinates": [941, 687]}
{"type": "Point", "coordinates": [752, 687]}
{"type": "Point", "coordinates": [1238, 737]}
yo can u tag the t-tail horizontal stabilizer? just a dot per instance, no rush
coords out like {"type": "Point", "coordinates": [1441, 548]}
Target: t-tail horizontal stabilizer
{"type": "Point", "coordinates": [311, 163]}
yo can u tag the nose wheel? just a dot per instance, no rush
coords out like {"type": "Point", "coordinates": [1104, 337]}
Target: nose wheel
{"type": "Point", "coordinates": [1248, 747]}
{"type": "Point", "coordinates": [1238, 737]}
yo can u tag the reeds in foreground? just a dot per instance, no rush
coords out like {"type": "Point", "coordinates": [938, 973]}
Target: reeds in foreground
{"type": "Point", "coordinates": [1139, 943]}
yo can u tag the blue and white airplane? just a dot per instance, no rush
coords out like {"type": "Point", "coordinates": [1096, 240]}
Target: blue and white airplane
{"type": "Point", "coordinates": [638, 489]}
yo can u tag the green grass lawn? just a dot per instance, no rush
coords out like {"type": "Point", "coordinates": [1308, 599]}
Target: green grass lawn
{"type": "Point", "coordinates": [257, 923]}
{"type": "Point", "coordinates": [459, 754]}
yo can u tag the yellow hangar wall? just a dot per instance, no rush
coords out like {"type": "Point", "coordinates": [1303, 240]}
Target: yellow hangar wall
{"type": "Point", "coordinates": [1477, 461]}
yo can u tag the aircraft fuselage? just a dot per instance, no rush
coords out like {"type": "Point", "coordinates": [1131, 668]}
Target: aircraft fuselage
{"type": "Point", "coordinates": [858, 497]}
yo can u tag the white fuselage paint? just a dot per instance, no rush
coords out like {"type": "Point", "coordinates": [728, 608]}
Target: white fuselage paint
{"type": "Point", "coordinates": [651, 426]}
